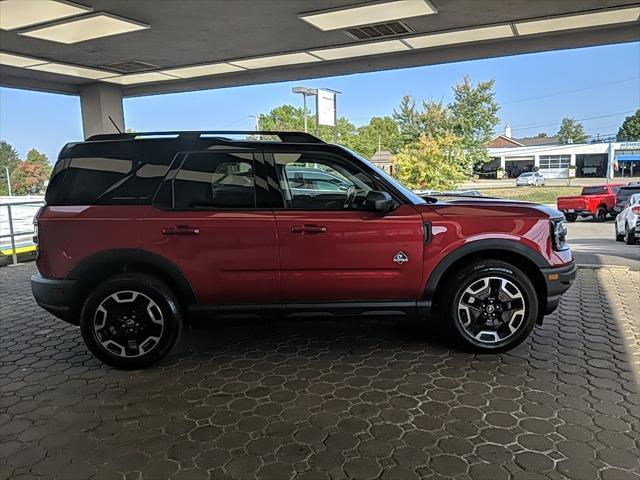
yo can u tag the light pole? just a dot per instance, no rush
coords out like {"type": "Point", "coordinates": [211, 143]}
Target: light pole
{"type": "Point", "coordinates": [306, 92]}
{"type": "Point", "coordinates": [6, 169]}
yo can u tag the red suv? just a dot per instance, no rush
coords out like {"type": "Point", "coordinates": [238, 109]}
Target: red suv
{"type": "Point", "coordinates": [140, 232]}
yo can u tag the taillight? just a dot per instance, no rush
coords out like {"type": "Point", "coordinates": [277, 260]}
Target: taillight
{"type": "Point", "coordinates": [35, 226]}
{"type": "Point", "coordinates": [636, 210]}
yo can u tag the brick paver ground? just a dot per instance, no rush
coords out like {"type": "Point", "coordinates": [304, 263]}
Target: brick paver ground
{"type": "Point", "coordinates": [328, 399]}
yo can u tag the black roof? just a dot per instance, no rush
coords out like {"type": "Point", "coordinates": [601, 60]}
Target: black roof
{"type": "Point", "coordinates": [287, 137]}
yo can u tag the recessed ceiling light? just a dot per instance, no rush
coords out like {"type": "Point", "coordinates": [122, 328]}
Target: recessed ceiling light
{"type": "Point", "coordinates": [569, 22]}
{"type": "Point", "coordinates": [21, 13]}
{"type": "Point", "coordinates": [14, 60]}
{"type": "Point", "coordinates": [202, 70]}
{"type": "Point", "coordinates": [366, 14]}
{"type": "Point", "coordinates": [460, 36]}
{"type": "Point", "coordinates": [360, 50]}
{"type": "Point", "coordinates": [87, 27]}
{"type": "Point", "coordinates": [276, 60]}
{"type": "Point", "coordinates": [72, 70]}
{"type": "Point", "coordinates": [140, 78]}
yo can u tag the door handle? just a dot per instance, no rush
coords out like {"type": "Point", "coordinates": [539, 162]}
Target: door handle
{"type": "Point", "coordinates": [312, 229]}
{"type": "Point", "coordinates": [181, 230]}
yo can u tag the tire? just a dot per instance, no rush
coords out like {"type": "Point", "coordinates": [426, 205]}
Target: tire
{"type": "Point", "coordinates": [481, 277]}
{"type": "Point", "coordinates": [629, 235]}
{"type": "Point", "coordinates": [619, 237]}
{"type": "Point", "coordinates": [600, 215]}
{"type": "Point", "coordinates": [146, 341]}
{"type": "Point", "coordinates": [571, 217]}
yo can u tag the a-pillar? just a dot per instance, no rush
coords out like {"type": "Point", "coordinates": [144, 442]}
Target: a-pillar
{"type": "Point", "coordinates": [101, 106]}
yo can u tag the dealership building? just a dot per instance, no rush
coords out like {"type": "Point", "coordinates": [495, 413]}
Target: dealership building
{"type": "Point", "coordinates": [511, 157]}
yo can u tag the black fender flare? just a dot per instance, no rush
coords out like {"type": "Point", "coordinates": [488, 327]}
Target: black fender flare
{"type": "Point", "coordinates": [477, 246]}
{"type": "Point", "coordinates": [118, 257]}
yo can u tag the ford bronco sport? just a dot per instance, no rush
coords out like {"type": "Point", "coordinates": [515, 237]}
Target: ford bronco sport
{"type": "Point", "coordinates": [140, 232]}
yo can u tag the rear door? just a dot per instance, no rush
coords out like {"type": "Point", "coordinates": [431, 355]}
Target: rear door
{"type": "Point", "coordinates": [205, 221]}
{"type": "Point", "coordinates": [331, 249]}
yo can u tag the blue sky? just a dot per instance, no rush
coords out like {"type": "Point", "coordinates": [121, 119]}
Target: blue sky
{"type": "Point", "coordinates": [535, 91]}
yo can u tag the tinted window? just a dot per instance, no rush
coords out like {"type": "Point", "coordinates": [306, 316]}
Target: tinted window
{"type": "Point", "coordinates": [626, 192]}
{"type": "Point", "coordinates": [594, 190]}
{"type": "Point", "coordinates": [210, 181]}
{"type": "Point", "coordinates": [313, 181]}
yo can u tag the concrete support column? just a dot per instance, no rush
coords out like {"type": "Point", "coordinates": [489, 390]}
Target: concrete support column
{"type": "Point", "coordinates": [99, 101]}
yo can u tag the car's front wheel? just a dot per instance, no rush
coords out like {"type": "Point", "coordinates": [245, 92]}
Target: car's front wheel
{"type": "Point", "coordinates": [619, 236]}
{"type": "Point", "coordinates": [131, 321]}
{"type": "Point", "coordinates": [490, 306]}
{"type": "Point", "coordinates": [571, 217]}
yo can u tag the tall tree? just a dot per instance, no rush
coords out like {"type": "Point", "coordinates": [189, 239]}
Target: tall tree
{"type": "Point", "coordinates": [8, 159]}
{"type": "Point", "coordinates": [571, 131]}
{"type": "Point", "coordinates": [29, 177]}
{"type": "Point", "coordinates": [407, 117]}
{"type": "Point", "coordinates": [475, 117]}
{"type": "Point", "coordinates": [380, 133]}
{"type": "Point", "coordinates": [34, 156]}
{"type": "Point", "coordinates": [629, 131]}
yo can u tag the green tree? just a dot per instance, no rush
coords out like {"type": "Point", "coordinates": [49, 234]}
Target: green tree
{"type": "Point", "coordinates": [541, 135]}
{"type": "Point", "coordinates": [8, 159]}
{"type": "Point", "coordinates": [408, 119]}
{"type": "Point", "coordinates": [380, 133]}
{"type": "Point", "coordinates": [35, 156]}
{"type": "Point", "coordinates": [629, 131]}
{"type": "Point", "coordinates": [290, 118]}
{"type": "Point", "coordinates": [474, 113]}
{"type": "Point", "coordinates": [432, 162]}
{"type": "Point", "coordinates": [29, 177]}
{"type": "Point", "coordinates": [571, 131]}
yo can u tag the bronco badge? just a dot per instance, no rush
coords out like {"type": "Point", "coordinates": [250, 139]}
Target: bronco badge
{"type": "Point", "coordinates": [400, 258]}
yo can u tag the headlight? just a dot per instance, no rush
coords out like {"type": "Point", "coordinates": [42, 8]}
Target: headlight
{"type": "Point", "coordinates": [558, 234]}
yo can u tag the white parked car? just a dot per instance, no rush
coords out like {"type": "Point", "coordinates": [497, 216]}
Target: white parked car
{"type": "Point", "coordinates": [530, 178]}
{"type": "Point", "coordinates": [628, 221]}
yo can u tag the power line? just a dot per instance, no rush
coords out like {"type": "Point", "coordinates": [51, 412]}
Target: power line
{"type": "Point", "coordinates": [526, 127]}
{"type": "Point", "coordinates": [566, 92]}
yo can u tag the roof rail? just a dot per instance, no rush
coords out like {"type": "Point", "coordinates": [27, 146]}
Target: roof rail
{"type": "Point", "coordinates": [290, 137]}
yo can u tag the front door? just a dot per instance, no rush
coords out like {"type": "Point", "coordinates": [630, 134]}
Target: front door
{"type": "Point", "coordinates": [204, 220]}
{"type": "Point", "coordinates": [331, 249]}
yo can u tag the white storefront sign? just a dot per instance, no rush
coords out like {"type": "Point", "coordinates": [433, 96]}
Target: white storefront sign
{"type": "Point", "coordinates": [326, 108]}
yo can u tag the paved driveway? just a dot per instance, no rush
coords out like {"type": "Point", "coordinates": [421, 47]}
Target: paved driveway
{"type": "Point", "coordinates": [328, 399]}
{"type": "Point", "coordinates": [593, 243]}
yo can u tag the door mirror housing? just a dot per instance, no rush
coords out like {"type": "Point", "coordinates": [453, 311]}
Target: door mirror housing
{"type": "Point", "coordinates": [378, 201]}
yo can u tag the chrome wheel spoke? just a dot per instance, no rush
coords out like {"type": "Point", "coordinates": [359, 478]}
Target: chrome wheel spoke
{"type": "Point", "coordinates": [491, 309]}
{"type": "Point", "coordinates": [128, 324]}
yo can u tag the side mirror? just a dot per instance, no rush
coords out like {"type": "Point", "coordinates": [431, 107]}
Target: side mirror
{"type": "Point", "coordinates": [378, 201]}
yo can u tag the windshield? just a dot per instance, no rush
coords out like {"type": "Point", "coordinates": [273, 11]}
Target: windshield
{"type": "Point", "coordinates": [526, 174]}
{"type": "Point", "coordinates": [405, 191]}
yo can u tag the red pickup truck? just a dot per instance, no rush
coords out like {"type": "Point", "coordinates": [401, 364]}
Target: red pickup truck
{"type": "Point", "coordinates": [597, 201]}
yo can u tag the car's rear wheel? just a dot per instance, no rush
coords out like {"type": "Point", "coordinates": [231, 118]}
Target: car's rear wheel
{"type": "Point", "coordinates": [131, 321]}
{"type": "Point", "coordinates": [600, 215]}
{"type": "Point", "coordinates": [490, 306]}
{"type": "Point", "coordinates": [629, 235]}
{"type": "Point", "coordinates": [571, 217]}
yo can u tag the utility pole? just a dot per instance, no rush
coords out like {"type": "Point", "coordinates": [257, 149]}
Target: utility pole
{"type": "Point", "coordinates": [6, 169]}
{"type": "Point", "coordinates": [257, 118]}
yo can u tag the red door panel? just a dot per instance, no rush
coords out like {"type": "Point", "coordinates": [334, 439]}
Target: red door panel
{"type": "Point", "coordinates": [229, 257]}
{"type": "Point", "coordinates": [349, 255]}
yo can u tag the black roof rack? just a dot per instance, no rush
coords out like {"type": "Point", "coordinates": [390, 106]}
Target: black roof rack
{"type": "Point", "coordinates": [290, 137]}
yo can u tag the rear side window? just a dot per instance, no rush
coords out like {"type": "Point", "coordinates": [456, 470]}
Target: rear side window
{"type": "Point", "coordinates": [210, 181]}
{"type": "Point", "coordinates": [594, 190]}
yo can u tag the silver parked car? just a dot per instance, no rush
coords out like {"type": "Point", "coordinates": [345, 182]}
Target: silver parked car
{"type": "Point", "coordinates": [530, 178]}
{"type": "Point", "coordinates": [627, 223]}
